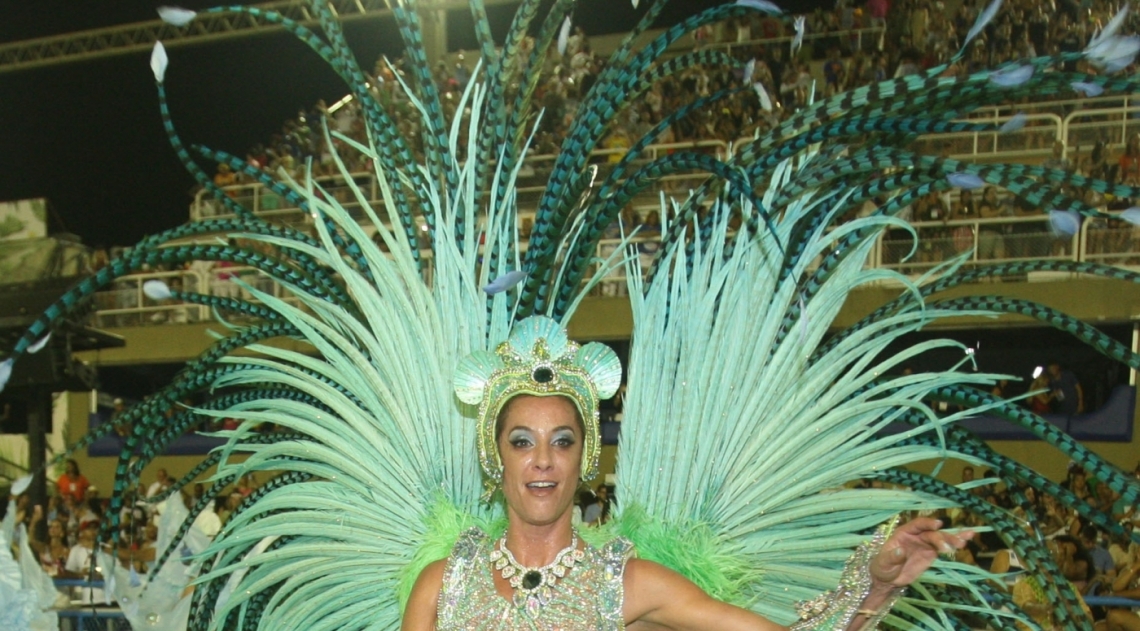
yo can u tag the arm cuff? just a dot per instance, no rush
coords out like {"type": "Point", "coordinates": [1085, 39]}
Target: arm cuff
{"type": "Point", "coordinates": [836, 609]}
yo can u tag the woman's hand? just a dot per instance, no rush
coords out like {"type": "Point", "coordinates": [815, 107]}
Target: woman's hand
{"type": "Point", "coordinates": [912, 548]}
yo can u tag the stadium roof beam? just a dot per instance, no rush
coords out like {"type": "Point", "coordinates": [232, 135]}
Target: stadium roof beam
{"type": "Point", "coordinates": [206, 27]}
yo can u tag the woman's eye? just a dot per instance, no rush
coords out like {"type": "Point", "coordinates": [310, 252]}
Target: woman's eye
{"type": "Point", "coordinates": [564, 442]}
{"type": "Point", "coordinates": [520, 442]}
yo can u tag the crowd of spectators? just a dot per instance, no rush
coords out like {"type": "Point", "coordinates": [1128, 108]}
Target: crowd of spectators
{"type": "Point", "coordinates": [1094, 562]}
{"type": "Point", "coordinates": [916, 35]}
{"type": "Point", "coordinates": [843, 49]}
{"type": "Point", "coordinates": [64, 534]}
{"type": "Point", "coordinates": [839, 53]}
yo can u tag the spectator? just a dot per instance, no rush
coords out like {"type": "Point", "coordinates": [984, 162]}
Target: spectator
{"type": "Point", "coordinates": [81, 565]}
{"type": "Point", "coordinates": [605, 498]}
{"type": "Point", "coordinates": [72, 484]}
{"type": "Point", "coordinates": [991, 245]}
{"type": "Point", "coordinates": [90, 513]}
{"type": "Point", "coordinates": [1073, 560]}
{"type": "Point", "coordinates": [1124, 552]}
{"type": "Point", "coordinates": [1058, 159]}
{"type": "Point", "coordinates": [54, 552]}
{"type": "Point", "coordinates": [1068, 396]}
{"type": "Point", "coordinates": [877, 9]}
{"type": "Point", "coordinates": [1097, 164]}
{"type": "Point", "coordinates": [246, 485]}
{"type": "Point", "coordinates": [834, 73]}
{"type": "Point", "coordinates": [208, 521]}
{"type": "Point", "coordinates": [161, 483]}
{"type": "Point", "coordinates": [1126, 585]}
{"type": "Point", "coordinates": [225, 178]}
{"type": "Point", "coordinates": [1102, 562]}
{"type": "Point", "coordinates": [141, 554]}
{"type": "Point", "coordinates": [591, 508]}
{"type": "Point", "coordinates": [1042, 402]}
{"type": "Point", "coordinates": [1130, 162]}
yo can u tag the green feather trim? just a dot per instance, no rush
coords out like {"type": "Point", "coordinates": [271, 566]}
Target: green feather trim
{"type": "Point", "coordinates": [444, 523]}
{"type": "Point", "coordinates": [691, 549]}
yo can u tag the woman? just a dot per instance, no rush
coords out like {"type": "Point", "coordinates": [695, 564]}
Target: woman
{"type": "Point", "coordinates": [72, 484]}
{"type": "Point", "coordinates": [53, 554]}
{"type": "Point", "coordinates": [538, 436]}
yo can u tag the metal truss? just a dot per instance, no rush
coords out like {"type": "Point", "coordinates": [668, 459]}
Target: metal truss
{"type": "Point", "coordinates": [206, 27]}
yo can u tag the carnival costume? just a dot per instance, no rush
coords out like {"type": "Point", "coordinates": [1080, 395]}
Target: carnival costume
{"type": "Point", "coordinates": [743, 418]}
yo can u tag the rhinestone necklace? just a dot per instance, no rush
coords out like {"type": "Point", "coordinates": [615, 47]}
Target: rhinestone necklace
{"type": "Point", "coordinates": [534, 586]}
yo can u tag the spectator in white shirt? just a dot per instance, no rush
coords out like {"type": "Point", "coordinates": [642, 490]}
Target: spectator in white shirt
{"type": "Point", "coordinates": [79, 566]}
{"type": "Point", "coordinates": [208, 521]}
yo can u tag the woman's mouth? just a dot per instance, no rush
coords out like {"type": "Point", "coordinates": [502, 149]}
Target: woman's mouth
{"type": "Point", "coordinates": [542, 485]}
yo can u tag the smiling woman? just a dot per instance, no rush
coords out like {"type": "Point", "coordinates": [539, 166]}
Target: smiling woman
{"type": "Point", "coordinates": [540, 445]}
{"type": "Point", "coordinates": [538, 400]}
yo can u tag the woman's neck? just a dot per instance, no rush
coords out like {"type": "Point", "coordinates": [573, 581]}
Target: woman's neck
{"type": "Point", "coordinates": [537, 545]}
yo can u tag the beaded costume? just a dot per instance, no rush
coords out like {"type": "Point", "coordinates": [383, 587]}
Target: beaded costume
{"type": "Point", "coordinates": [749, 410]}
{"type": "Point", "coordinates": [588, 597]}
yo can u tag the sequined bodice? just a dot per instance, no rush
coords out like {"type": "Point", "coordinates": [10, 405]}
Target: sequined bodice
{"type": "Point", "coordinates": [588, 598]}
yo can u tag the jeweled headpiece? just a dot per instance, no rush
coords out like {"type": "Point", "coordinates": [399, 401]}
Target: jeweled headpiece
{"type": "Point", "coordinates": [537, 359]}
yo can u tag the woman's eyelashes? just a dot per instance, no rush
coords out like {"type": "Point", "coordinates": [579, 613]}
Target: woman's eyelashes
{"type": "Point", "coordinates": [520, 438]}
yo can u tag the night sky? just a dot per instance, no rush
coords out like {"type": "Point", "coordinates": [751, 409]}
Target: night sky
{"type": "Point", "coordinates": [87, 135]}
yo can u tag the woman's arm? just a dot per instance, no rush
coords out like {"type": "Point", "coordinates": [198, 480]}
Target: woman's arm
{"type": "Point", "coordinates": [1124, 579]}
{"type": "Point", "coordinates": [420, 613]}
{"type": "Point", "coordinates": [660, 597]}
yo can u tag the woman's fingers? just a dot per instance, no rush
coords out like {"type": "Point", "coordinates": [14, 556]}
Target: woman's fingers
{"type": "Point", "coordinates": [945, 542]}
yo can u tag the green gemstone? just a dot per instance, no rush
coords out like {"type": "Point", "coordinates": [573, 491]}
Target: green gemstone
{"type": "Point", "coordinates": [531, 580]}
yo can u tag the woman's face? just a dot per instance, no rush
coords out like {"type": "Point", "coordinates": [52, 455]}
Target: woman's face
{"type": "Point", "coordinates": [540, 443]}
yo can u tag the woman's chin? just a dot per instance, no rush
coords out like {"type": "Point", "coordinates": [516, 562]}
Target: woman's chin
{"type": "Point", "coordinates": [542, 513]}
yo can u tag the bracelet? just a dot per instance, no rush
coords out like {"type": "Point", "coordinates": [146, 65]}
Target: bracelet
{"type": "Point", "coordinates": [834, 610]}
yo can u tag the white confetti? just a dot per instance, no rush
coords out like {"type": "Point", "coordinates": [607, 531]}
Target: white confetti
{"type": "Point", "coordinates": [176, 16]}
{"type": "Point", "coordinates": [564, 36]}
{"type": "Point", "coordinates": [158, 61]}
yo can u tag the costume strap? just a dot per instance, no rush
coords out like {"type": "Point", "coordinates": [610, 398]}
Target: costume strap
{"type": "Point", "coordinates": [836, 609]}
{"type": "Point", "coordinates": [614, 555]}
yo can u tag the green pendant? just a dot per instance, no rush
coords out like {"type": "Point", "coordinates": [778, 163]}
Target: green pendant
{"type": "Point", "coordinates": [531, 580]}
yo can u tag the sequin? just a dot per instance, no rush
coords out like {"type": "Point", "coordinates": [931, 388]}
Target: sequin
{"type": "Point", "coordinates": [589, 596]}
